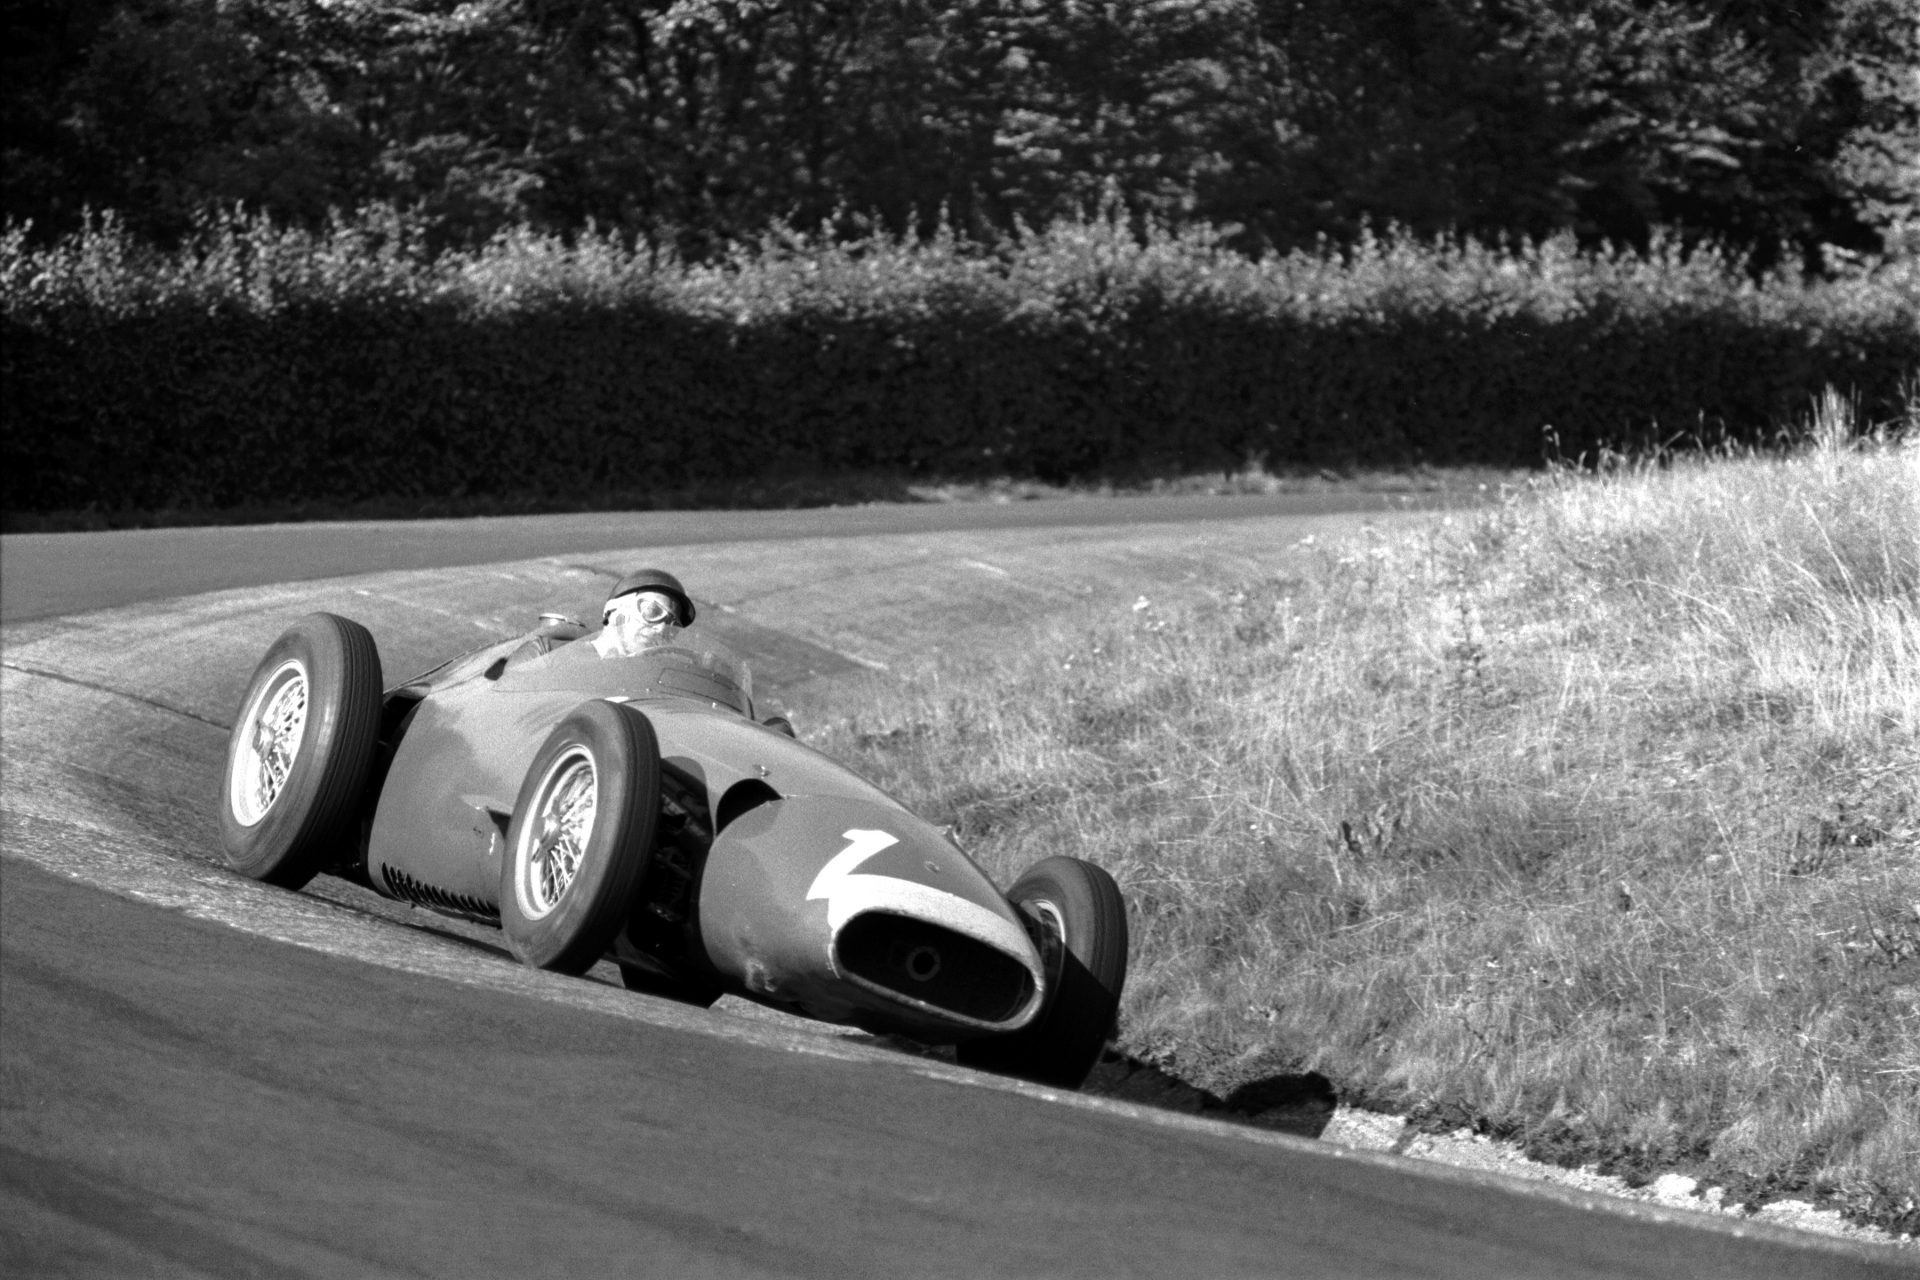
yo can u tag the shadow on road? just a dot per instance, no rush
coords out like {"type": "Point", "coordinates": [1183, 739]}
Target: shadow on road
{"type": "Point", "coordinates": [1302, 1105]}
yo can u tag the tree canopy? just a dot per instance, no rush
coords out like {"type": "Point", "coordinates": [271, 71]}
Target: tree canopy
{"type": "Point", "coordinates": [1785, 128]}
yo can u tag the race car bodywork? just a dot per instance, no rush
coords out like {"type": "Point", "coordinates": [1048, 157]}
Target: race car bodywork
{"type": "Point", "coordinates": [635, 809]}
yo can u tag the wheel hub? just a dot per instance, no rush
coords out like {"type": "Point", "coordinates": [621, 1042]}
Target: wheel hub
{"type": "Point", "coordinates": [272, 744]}
{"type": "Point", "coordinates": [559, 845]}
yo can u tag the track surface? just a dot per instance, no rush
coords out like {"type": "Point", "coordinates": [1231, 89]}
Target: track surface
{"type": "Point", "coordinates": [56, 573]}
{"type": "Point", "coordinates": [392, 1097]}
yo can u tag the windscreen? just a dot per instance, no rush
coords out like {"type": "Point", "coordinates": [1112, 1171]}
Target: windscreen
{"type": "Point", "coordinates": [692, 664]}
{"type": "Point", "coordinates": [703, 656]}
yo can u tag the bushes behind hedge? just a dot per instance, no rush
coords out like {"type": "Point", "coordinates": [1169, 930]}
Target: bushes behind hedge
{"type": "Point", "coordinates": [260, 365]}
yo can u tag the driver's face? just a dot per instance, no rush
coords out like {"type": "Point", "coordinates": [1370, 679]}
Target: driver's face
{"type": "Point", "coordinates": [641, 618]}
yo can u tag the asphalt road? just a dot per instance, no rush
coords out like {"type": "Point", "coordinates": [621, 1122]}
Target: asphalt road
{"type": "Point", "coordinates": [203, 1076]}
{"type": "Point", "coordinates": [45, 575]}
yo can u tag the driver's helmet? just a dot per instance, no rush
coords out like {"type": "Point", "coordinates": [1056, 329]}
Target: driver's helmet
{"type": "Point", "coordinates": [651, 580]}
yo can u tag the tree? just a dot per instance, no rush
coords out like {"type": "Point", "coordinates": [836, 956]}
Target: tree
{"type": "Point", "coordinates": [1769, 127]}
{"type": "Point", "coordinates": [1778, 126]}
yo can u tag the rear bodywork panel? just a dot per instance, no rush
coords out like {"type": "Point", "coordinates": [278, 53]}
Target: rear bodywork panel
{"type": "Point", "coordinates": [778, 872]}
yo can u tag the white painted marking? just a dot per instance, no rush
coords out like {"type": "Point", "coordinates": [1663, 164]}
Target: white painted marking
{"type": "Point", "coordinates": [861, 845]}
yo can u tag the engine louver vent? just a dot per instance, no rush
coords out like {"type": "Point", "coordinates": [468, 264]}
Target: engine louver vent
{"type": "Point", "coordinates": [406, 888]}
{"type": "Point", "coordinates": [942, 968]}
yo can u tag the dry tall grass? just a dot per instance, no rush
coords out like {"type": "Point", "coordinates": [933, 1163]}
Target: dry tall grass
{"type": "Point", "coordinates": [1593, 818]}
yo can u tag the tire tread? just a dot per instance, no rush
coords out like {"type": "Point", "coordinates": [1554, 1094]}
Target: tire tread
{"type": "Point", "coordinates": [573, 937]}
{"type": "Point", "coordinates": [1061, 1046]}
{"type": "Point", "coordinates": [343, 673]}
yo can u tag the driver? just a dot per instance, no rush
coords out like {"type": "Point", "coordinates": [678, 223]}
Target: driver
{"type": "Point", "coordinates": [647, 607]}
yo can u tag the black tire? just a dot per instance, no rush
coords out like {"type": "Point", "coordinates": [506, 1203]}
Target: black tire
{"type": "Point", "coordinates": [1080, 919]}
{"type": "Point", "coordinates": [300, 752]}
{"type": "Point", "coordinates": [563, 916]}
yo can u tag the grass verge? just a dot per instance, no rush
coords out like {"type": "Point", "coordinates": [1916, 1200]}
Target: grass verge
{"type": "Point", "coordinates": [1591, 819]}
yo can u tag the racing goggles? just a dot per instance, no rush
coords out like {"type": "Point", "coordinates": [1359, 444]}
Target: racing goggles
{"type": "Point", "coordinates": [654, 609]}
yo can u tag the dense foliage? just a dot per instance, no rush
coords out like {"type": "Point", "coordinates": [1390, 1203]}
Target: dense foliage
{"type": "Point", "coordinates": [264, 365]}
{"type": "Point", "coordinates": [1774, 126]}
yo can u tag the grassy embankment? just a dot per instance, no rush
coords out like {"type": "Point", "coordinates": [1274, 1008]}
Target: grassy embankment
{"type": "Point", "coordinates": [1592, 819]}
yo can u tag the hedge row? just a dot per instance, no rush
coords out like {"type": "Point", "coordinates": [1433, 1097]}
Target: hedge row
{"type": "Point", "coordinates": [264, 366]}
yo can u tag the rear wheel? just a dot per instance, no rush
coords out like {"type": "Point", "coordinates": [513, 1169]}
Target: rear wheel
{"type": "Point", "coordinates": [581, 832]}
{"type": "Point", "coordinates": [301, 751]}
{"type": "Point", "coordinates": [1079, 920]}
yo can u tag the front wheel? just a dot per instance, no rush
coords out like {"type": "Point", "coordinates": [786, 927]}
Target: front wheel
{"type": "Point", "coordinates": [581, 834]}
{"type": "Point", "coordinates": [301, 751]}
{"type": "Point", "coordinates": [1078, 918]}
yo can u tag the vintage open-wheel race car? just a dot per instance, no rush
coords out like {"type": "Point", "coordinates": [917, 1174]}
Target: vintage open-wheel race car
{"type": "Point", "coordinates": [633, 808]}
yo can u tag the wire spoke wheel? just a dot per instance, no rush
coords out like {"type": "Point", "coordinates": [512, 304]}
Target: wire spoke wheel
{"type": "Point", "coordinates": [567, 804]}
{"type": "Point", "coordinates": [301, 753]}
{"type": "Point", "coordinates": [271, 732]}
{"type": "Point", "coordinates": [581, 834]}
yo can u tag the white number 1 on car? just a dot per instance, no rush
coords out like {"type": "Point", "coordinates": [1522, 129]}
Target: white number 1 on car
{"type": "Point", "coordinates": [861, 845]}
